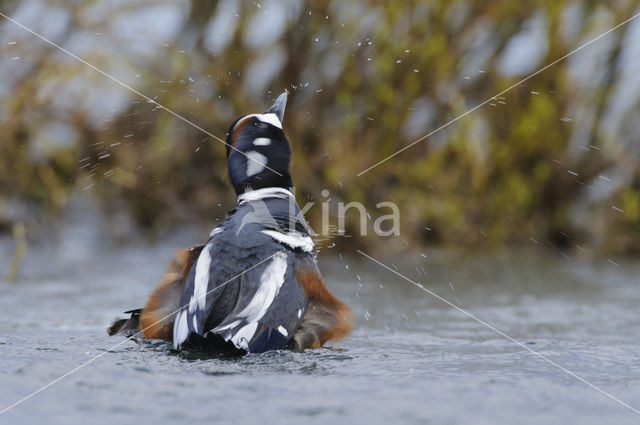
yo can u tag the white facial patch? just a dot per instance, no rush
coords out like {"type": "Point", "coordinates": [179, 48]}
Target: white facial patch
{"type": "Point", "coordinates": [262, 141]}
{"type": "Point", "coordinates": [255, 163]}
{"type": "Point", "coordinates": [283, 330]}
{"type": "Point", "coordinates": [270, 118]}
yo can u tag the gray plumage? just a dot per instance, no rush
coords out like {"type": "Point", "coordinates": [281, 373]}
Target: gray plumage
{"type": "Point", "coordinates": [247, 267]}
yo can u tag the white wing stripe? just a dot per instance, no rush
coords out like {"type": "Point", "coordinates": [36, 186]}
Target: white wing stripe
{"type": "Point", "coordinates": [201, 281]}
{"type": "Point", "coordinates": [231, 325]}
{"type": "Point", "coordinates": [180, 329]}
{"type": "Point", "coordinates": [294, 240]}
{"type": "Point", "coordinates": [243, 336]}
{"type": "Point", "coordinates": [215, 231]}
{"type": "Point", "coordinates": [270, 282]}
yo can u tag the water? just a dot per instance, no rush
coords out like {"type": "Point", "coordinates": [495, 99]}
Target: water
{"type": "Point", "coordinates": [411, 358]}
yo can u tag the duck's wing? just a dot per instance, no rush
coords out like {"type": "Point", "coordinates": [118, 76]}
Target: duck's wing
{"type": "Point", "coordinates": [202, 288]}
{"type": "Point", "coordinates": [245, 295]}
{"type": "Point", "coordinates": [327, 318]}
{"type": "Point", "coordinates": [156, 319]}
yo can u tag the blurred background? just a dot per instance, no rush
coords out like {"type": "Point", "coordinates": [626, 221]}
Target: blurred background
{"type": "Point", "coordinates": [554, 162]}
{"type": "Point", "coordinates": [525, 212]}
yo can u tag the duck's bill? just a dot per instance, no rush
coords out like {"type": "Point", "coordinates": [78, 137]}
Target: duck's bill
{"type": "Point", "coordinates": [279, 106]}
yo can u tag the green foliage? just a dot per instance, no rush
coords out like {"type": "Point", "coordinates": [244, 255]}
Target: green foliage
{"type": "Point", "coordinates": [503, 174]}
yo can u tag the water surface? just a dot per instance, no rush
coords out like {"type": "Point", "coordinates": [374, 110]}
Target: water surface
{"type": "Point", "coordinates": [411, 358]}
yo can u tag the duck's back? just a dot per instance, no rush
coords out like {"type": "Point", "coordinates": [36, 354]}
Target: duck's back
{"type": "Point", "coordinates": [242, 292]}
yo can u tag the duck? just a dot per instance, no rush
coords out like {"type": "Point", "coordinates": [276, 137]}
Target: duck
{"type": "Point", "coordinates": [254, 285]}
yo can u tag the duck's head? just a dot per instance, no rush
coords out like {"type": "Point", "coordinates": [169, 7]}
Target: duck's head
{"type": "Point", "coordinates": [258, 152]}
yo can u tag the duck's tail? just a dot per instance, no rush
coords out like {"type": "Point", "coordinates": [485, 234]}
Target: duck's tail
{"type": "Point", "coordinates": [155, 320]}
{"type": "Point", "coordinates": [127, 327]}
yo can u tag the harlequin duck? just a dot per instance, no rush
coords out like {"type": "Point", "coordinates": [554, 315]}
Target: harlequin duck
{"type": "Point", "coordinates": [255, 285]}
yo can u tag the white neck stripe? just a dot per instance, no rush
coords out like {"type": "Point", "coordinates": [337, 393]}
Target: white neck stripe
{"type": "Point", "coordinates": [267, 192]}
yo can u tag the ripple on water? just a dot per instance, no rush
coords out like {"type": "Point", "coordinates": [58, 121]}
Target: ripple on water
{"type": "Point", "coordinates": [410, 360]}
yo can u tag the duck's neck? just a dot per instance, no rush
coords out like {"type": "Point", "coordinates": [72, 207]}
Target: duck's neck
{"type": "Point", "coordinates": [264, 193]}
